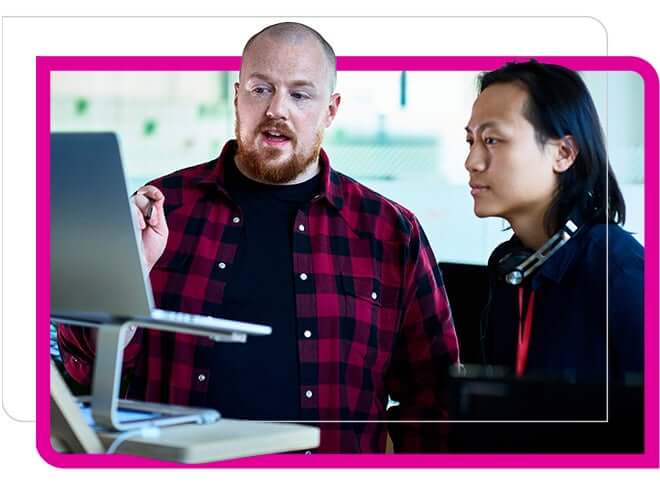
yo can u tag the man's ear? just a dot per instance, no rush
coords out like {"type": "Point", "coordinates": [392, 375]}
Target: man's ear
{"type": "Point", "coordinates": [236, 87]}
{"type": "Point", "coordinates": [333, 106]}
{"type": "Point", "coordinates": [567, 152]}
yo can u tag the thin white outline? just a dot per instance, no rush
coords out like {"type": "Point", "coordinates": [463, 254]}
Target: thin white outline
{"type": "Point", "coordinates": [314, 17]}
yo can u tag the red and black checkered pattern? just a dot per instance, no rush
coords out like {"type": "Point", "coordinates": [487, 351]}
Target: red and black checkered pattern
{"type": "Point", "coordinates": [372, 313]}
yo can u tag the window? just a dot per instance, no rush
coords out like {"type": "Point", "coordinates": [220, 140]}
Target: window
{"type": "Point", "coordinates": [400, 133]}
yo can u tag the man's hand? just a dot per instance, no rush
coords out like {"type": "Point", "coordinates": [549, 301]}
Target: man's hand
{"type": "Point", "coordinates": [147, 206]}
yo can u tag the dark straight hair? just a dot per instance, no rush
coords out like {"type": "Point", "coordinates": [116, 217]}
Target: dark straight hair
{"type": "Point", "coordinates": [559, 104]}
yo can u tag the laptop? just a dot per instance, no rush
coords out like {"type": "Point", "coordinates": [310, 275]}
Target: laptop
{"type": "Point", "coordinates": [96, 261]}
{"type": "Point", "coordinates": [97, 275]}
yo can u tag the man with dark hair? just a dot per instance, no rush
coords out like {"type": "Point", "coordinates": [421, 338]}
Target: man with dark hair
{"type": "Point", "coordinates": [538, 159]}
{"type": "Point", "coordinates": [270, 233]}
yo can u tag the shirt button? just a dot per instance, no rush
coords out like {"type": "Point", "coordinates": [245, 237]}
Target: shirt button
{"type": "Point", "coordinates": [301, 227]}
{"type": "Point", "coordinates": [308, 394]}
{"type": "Point", "coordinates": [236, 220]}
{"type": "Point", "coordinates": [303, 276]}
{"type": "Point", "coordinates": [222, 265]}
{"type": "Point", "coordinates": [307, 452]}
{"type": "Point", "coordinates": [374, 295]}
{"type": "Point", "coordinates": [307, 334]}
{"type": "Point", "coordinates": [201, 377]}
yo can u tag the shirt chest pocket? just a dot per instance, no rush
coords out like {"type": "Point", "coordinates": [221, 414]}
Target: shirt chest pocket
{"type": "Point", "coordinates": [369, 285]}
{"type": "Point", "coordinates": [368, 312]}
{"type": "Point", "coordinates": [366, 289]}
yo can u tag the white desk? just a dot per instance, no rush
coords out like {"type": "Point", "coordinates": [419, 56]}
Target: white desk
{"type": "Point", "coordinates": [189, 443]}
{"type": "Point", "coordinates": [222, 440]}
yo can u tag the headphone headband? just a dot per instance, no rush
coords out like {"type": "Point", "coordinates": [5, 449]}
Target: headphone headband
{"type": "Point", "coordinates": [515, 266]}
{"type": "Point", "coordinates": [526, 267]}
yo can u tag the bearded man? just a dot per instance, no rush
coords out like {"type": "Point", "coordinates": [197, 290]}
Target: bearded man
{"type": "Point", "coordinates": [269, 233]}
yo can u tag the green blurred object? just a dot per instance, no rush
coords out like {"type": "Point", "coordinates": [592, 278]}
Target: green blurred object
{"type": "Point", "coordinates": [81, 105]}
{"type": "Point", "coordinates": [150, 126]}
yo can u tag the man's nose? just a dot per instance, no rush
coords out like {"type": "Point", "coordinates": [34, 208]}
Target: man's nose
{"type": "Point", "coordinates": [277, 107]}
{"type": "Point", "coordinates": [476, 160]}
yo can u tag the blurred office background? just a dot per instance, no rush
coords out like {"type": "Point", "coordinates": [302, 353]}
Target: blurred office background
{"type": "Point", "coordinates": [400, 133]}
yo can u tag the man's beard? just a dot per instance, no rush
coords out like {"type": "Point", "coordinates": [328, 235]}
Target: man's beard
{"type": "Point", "coordinates": [256, 163]}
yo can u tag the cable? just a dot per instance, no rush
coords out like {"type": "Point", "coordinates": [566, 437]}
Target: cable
{"type": "Point", "coordinates": [145, 432]}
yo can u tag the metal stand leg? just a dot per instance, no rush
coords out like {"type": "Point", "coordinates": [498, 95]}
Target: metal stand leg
{"type": "Point", "coordinates": [110, 353]}
{"type": "Point", "coordinates": [107, 374]}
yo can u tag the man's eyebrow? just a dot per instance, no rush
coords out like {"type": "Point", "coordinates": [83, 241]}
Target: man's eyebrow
{"type": "Point", "coordinates": [302, 83]}
{"type": "Point", "coordinates": [492, 123]}
{"type": "Point", "coordinates": [294, 83]}
{"type": "Point", "coordinates": [259, 76]}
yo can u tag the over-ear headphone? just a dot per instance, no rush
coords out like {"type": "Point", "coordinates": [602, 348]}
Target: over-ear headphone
{"type": "Point", "coordinates": [511, 263]}
{"type": "Point", "coordinates": [518, 263]}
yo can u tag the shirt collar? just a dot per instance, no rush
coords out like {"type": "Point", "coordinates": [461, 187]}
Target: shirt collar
{"type": "Point", "coordinates": [558, 264]}
{"type": "Point", "coordinates": [330, 183]}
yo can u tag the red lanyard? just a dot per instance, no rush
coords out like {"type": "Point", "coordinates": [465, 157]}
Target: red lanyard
{"type": "Point", "coordinates": [524, 331]}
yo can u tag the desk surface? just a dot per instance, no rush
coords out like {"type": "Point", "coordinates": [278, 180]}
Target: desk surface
{"type": "Point", "coordinates": [222, 440]}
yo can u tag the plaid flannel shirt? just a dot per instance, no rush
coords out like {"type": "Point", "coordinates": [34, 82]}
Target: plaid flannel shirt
{"type": "Point", "coordinates": [372, 314]}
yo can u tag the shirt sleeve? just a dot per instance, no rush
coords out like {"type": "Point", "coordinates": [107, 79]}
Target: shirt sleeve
{"type": "Point", "coordinates": [425, 348]}
{"type": "Point", "coordinates": [78, 352]}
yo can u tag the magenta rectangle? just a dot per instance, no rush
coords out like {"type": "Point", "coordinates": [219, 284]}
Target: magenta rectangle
{"type": "Point", "coordinates": [648, 459]}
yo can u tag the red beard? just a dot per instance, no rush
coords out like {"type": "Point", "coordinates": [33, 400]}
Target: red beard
{"type": "Point", "coordinates": [256, 163]}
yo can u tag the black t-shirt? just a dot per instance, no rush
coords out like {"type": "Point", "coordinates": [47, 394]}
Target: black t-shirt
{"type": "Point", "coordinates": [259, 380]}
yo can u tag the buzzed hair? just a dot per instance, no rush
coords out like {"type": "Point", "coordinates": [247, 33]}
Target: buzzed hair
{"type": "Point", "coordinates": [296, 32]}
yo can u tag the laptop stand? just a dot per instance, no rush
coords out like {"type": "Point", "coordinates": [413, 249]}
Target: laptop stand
{"type": "Point", "coordinates": [185, 443]}
{"type": "Point", "coordinates": [107, 367]}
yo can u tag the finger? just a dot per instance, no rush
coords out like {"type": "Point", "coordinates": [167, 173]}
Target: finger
{"type": "Point", "coordinates": [156, 213]}
{"type": "Point", "coordinates": [141, 201]}
{"type": "Point", "coordinates": [151, 192]}
{"type": "Point", "coordinates": [157, 220]}
{"type": "Point", "coordinates": [138, 216]}
{"type": "Point", "coordinates": [145, 197]}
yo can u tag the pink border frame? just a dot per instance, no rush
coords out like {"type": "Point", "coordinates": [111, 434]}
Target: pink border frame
{"type": "Point", "coordinates": [648, 459]}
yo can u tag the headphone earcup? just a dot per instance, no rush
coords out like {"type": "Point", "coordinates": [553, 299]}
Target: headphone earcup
{"type": "Point", "coordinates": [511, 261]}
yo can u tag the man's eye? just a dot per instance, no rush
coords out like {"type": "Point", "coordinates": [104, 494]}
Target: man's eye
{"type": "Point", "coordinates": [259, 90]}
{"type": "Point", "coordinates": [490, 141]}
{"type": "Point", "coordinates": [298, 96]}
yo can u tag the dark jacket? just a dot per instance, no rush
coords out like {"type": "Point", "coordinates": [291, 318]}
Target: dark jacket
{"type": "Point", "coordinates": [572, 313]}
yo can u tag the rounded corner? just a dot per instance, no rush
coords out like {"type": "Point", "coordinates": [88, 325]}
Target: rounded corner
{"type": "Point", "coordinates": [644, 69]}
{"type": "Point", "coordinates": [602, 24]}
{"type": "Point", "coordinates": [49, 455]}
